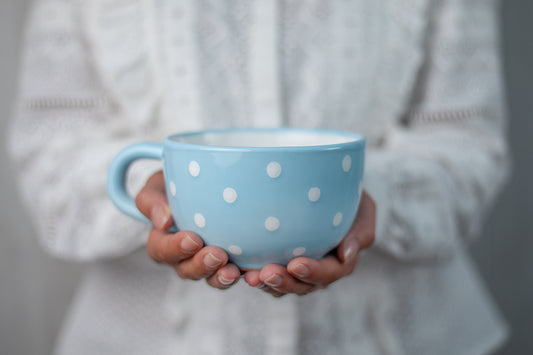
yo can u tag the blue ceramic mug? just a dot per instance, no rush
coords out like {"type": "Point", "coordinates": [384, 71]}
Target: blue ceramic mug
{"type": "Point", "coordinates": [263, 195]}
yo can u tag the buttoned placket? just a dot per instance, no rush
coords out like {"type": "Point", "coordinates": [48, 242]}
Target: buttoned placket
{"type": "Point", "coordinates": [266, 109]}
{"type": "Point", "coordinates": [265, 69]}
{"type": "Point", "coordinates": [182, 66]}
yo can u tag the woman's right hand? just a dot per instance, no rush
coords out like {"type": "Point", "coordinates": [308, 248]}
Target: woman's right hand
{"type": "Point", "coordinates": [185, 250]}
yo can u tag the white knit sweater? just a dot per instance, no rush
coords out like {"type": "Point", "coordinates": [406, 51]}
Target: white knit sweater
{"type": "Point", "coordinates": [421, 79]}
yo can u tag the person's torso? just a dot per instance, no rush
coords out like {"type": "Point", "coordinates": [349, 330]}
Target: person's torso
{"type": "Point", "coordinates": [338, 64]}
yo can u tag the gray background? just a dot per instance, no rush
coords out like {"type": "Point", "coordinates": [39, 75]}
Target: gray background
{"type": "Point", "coordinates": [35, 290]}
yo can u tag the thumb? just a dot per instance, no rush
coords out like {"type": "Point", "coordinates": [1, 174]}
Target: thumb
{"type": "Point", "coordinates": [362, 232]}
{"type": "Point", "coordinates": [152, 202]}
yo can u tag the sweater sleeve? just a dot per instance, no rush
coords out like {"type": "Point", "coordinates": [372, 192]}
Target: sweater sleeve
{"type": "Point", "coordinates": [441, 167]}
{"type": "Point", "coordinates": [65, 131]}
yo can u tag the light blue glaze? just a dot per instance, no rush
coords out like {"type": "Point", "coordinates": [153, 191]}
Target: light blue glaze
{"type": "Point", "coordinates": [116, 177]}
{"type": "Point", "coordinates": [237, 220]}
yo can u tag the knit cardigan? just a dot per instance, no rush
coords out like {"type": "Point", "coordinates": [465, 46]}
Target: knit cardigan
{"type": "Point", "coordinates": [420, 79]}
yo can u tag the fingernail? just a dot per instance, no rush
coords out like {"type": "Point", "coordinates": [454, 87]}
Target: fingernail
{"type": "Point", "coordinates": [274, 280]}
{"type": "Point", "coordinates": [189, 245]}
{"type": "Point", "coordinates": [300, 270]}
{"type": "Point", "coordinates": [351, 250]}
{"type": "Point", "coordinates": [211, 261]}
{"type": "Point", "coordinates": [225, 281]}
{"type": "Point", "coordinates": [160, 216]}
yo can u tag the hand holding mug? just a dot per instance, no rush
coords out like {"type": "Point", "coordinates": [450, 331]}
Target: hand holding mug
{"type": "Point", "coordinates": [184, 251]}
{"type": "Point", "coordinates": [263, 196]}
{"type": "Point", "coordinates": [304, 275]}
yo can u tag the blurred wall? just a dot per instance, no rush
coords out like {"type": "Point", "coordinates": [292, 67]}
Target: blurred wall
{"type": "Point", "coordinates": [35, 290]}
{"type": "Point", "coordinates": [504, 254]}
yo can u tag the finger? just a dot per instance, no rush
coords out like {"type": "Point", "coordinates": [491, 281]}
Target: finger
{"type": "Point", "coordinates": [320, 273]}
{"type": "Point", "coordinates": [364, 225]}
{"type": "Point", "coordinates": [362, 232]}
{"type": "Point", "coordinates": [278, 278]}
{"type": "Point", "coordinates": [332, 267]}
{"type": "Point", "coordinates": [203, 264]}
{"type": "Point", "coordinates": [225, 277]}
{"type": "Point", "coordinates": [152, 202]}
{"type": "Point", "coordinates": [172, 248]}
{"type": "Point", "coordinates": [252, 278]}
{"type": "Point", "coordinates": [348, 249]}
{"type": "Point", "coordinates": [270, 290]}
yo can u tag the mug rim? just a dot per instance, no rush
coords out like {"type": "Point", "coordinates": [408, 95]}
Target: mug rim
{"type": "Point", "coordinates": [358, 142]}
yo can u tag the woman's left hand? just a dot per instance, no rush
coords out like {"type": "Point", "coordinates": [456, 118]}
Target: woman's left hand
{"type": "Point", "coordinates": [304, 275]}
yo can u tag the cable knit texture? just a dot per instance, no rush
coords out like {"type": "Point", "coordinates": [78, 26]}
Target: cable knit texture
{"type": "Point", "coordinates": [421, 79]}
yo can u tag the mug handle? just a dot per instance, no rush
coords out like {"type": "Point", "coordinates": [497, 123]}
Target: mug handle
{"type": "Point", "coordinates": [116, 177]}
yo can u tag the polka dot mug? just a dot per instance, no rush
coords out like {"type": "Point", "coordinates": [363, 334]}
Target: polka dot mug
{"type": "Point", "coordinates": [263, 195]}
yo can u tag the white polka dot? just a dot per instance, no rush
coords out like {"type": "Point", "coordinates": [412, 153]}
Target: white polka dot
{"type": "Point", "coordinates": [298, 251]}
{"type": "Point", "coordinates": [346, 163]}
{"type": "Point", "coordinates": [272, 224]}
{"type": "Point", "coordinates": [314, 194]}
{"type": "Point", "coordinates": [235, 250]}
{"type": "Point", "coordinates": [194, 168]}
{"type": "Point", "coordinates": [172, 187]}
{"type": "Point", "coordinates": [273, 169]}
{"type": "Point", "coordinates": [230, 195]}
{"type": "Point", "coordinates": [199, 219]}
{"type": "Point", "coordinates": [337, 219]}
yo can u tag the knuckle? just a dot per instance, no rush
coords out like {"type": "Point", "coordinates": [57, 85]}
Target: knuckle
{"type": "Point", "coordinates": [140, 199]}
{"type": "Point", "coordinates": [272, 292]}
{"type": "Point", "coordinates": [367, 240]}
{"type": "Point", "coordinates": [350, 268]}
{"type": "Point", "coordinates": [156, 182]}
{"type": "Point", "coordinates": [180, 272]}
{"type": "Point", "coordinates": [331, 278]}
{"type": "Point", "coordinates": [217, 284]}
{"type": "Point", "coordinates": [158, 256]}
{"type": "Point", "coordinates": [322, 285]}
{"type": "Point", "coordinates": [185, 274]}
{"type": "Point", "coordinates": [154, 254]}
{"type": "Point", "coordinates": [305, 292]}
{"type": "Point", "coordinates": [372, 238]}
{"type": "Point", "coordinates": [154, 179]}
{"type": "Point", "coordinates": [278, 294]}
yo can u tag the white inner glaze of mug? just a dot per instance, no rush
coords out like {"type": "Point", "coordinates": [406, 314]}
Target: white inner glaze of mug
{"type": "Point", "coordinates": [264, 139]}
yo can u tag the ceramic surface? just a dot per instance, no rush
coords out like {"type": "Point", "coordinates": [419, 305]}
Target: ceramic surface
{"type": "Point", "coordinates": [263, 195]}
